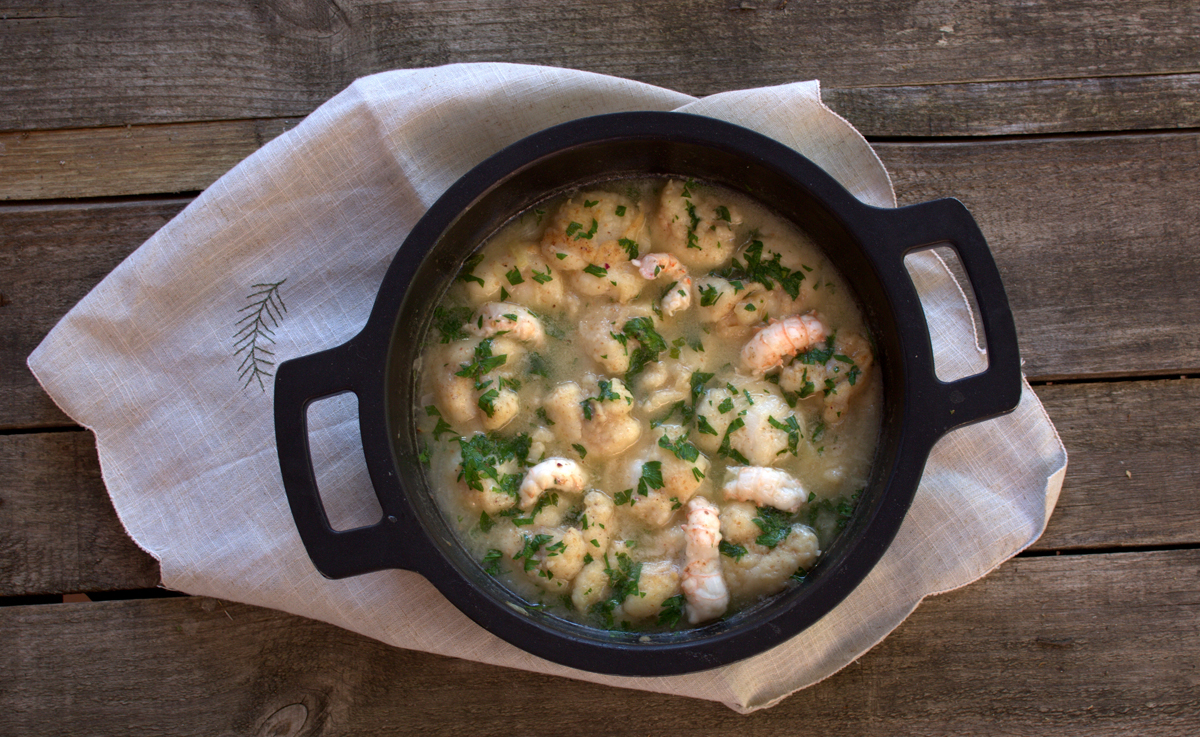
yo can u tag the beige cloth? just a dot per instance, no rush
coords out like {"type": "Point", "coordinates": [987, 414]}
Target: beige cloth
{"type": "Point", "coordinates": [148, 361]}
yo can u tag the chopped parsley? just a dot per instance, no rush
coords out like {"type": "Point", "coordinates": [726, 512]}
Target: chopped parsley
{"type": "Point", "coordinates": [591, 203]}
{"type": "Point", "coordinates": [622, 580]}
{"type": "Point", "coordinates": [698, 380]}
{"type": "Point", "coordinates": [703, 426]}
{"type": "Point", "coordinates": [486, 523]}
{"type": "Point", "coordinates": [678, 406]}
{"type": "Point", "coordinates": [582, 451]}
{"type": "Point", "coordinates": [651, 478]}
{"type": "Point", "coordinates": [538, 365]}
{"type": "Point", "coordinates": [487, 401]}
{"type": "Point", "coordinates": [449, 322]}
{"type": "Point", "coordinates": [693, 241]}
{"type": "Point", "coordinates": [791, 427]}
{"type": "Point", "coordinates": [596, 271]}
{"type": "Point", "coordinates": [766, 273]}
{"type": "Point", "coordinates": [514, 277]}
{"type": "Point", "coordinates": [483, 453]}
{"type": "Point", "coordinates": [491, 562]}
{"type": "Point", "coordinates": [482, 363]}
{"type": "Point", "coordinates": [577, 230]}
{"type": "Point", "coordinates": [650, 344]}
{"type": "Point", "coordinates": [729, 549]}
{"type": "Point", "coordinates": [630, 246]}
{"type": "Point", "coordinates": [545, 500]}
{"type": "Point", "coordinates": [442, 425]}
{"type": "Point", "coordinates": [606, 395]}
{"type": "Point", "coordinates": [709, 295]}
{"type": "Point", "coordinates": [671, 611]}
{"type": "Point", "coordinates": [532, 546]}
{"type": "Point", "coordinates": [541, 278]}
{"type": "Point", "coordinates": [775, 525]}
{"type": "Point", "coordinates": [621, 213]}
{"type": "Point", "coordinates": [723, 213]}
{"type": "Point", "coordinates": [466, 274]}
{"type": "Point", "coordinates": [817, 354]}
{"type": "Point", "coordinates": [681, 447]}
{"type": "Point", "coordinates": [806, 387]}
{"type": "Point", "coordinates": [726, 405]}
{"type": "Point", "coordinates": [842, 511]}
{"type": "Point", "coordinates": [726, 449]}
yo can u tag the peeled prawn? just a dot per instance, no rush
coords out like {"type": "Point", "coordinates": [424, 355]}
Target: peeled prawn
{"type": "Point", "coordinates": [655, 265]}
{"type": "Point", "coordinates": [678, 297]}
{"type": "Point", "coordinates": [703, 585]}
{"type": "Point", "coordinates": [552, 473]}
{"type": "Point", "coordinates": [769, 487]}
{"type": "Point", "coordinates": [782, 338]}
{"type": "Point", "coordinates": [505, 317]}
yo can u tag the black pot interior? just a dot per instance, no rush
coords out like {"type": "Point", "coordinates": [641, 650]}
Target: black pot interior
{"type": "Point", "coordinates": [803, 201]}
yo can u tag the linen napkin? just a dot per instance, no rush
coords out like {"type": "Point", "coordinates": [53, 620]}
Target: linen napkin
{"type": "Point", "coordinates": [289, 249]}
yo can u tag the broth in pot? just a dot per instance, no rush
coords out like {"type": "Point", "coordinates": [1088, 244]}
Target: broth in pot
{"type": "Point", "coordinates": [648, 404]}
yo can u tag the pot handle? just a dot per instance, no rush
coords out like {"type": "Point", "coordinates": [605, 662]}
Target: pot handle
{"type": "Point", "coordinates": [997, 389]}
{"type": "Point", "coordinates": [335, 554]}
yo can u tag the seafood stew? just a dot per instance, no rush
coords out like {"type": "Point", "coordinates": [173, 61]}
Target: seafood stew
{"type": "Point", "coordinates": [648, 404]}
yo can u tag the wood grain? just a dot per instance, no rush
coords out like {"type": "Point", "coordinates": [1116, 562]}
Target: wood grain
{"type": "Point", "coordinates": [1016, 653]}
{"type": "Point", "coordinates": [180, 157]}
{"type": "Point", "coordinates": [1040, 107]}
{"type": "Point", "coordinates": [1095, 238]}
{"type": "Point", "coordinates": [50, 257]}
{"type": "Point", "coordinates": [52, 486]}
{"type": "Point", "coordinates": [58, 530]}
{"type": "Point", "coordinates": [72, 64]}
{"type": "Point", "coordinates": [130, 160]}
{"type": "Point", "coordinates": [1133, 464]}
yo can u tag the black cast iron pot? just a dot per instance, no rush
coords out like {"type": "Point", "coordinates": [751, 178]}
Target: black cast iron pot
{"type": "Point", "coordinates": [866, 244]}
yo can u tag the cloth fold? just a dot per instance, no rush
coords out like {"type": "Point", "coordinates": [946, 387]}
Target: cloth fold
{"type": "Point", "coordinates": [169, 361]}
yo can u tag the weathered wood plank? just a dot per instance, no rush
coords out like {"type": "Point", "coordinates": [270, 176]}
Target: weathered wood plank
{"type": "Point", "coordinates": [52, 483]}
{"type": "Point", "coordinates": [1066, 217]}
{"type": "Point", "coordinates": [131, 160]}
{"type": "Point", "coordinates": [1133, 469]}
{"type": "Point", "coordinates": [1095, 237]}
{"type": "Point", "coordinates": [50, 257]}
{"type": "Point", "coordinates": [80, 64]}
{"type": "Point", "coordinates": [1045, 106]}
{"type": "Point", "coordinates": [58, 530]}
{"type": "Point", "coordinates": [180, 157]}
{"type": "Point", "coordinates": [1017, 653]}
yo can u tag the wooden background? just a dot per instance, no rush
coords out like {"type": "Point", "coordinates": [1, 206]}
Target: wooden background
{"type": "Point", "coordinates": [1070, 129]}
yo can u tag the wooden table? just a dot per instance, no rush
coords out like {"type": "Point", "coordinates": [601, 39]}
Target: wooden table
{"type": "Point", "coordinates": [1070, 129]}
